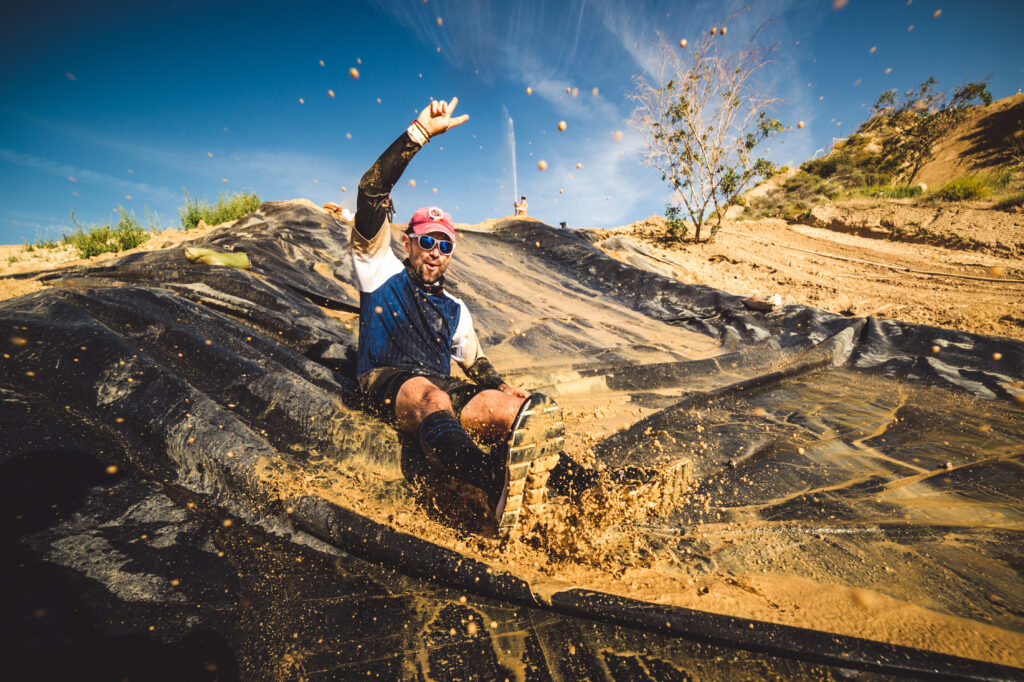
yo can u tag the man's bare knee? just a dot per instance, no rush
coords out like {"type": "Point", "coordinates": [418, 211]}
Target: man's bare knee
{"type": "Point", "coordinates": [490, 413]}
{"type": "Point", "coordinates": [417, 398]}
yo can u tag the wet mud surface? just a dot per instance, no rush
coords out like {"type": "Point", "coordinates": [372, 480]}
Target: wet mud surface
{"type": "Point", "coordinates": [112, 579]}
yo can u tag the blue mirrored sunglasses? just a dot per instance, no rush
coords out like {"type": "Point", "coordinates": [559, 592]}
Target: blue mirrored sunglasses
{"type": "Point", "coordinates": [444, 246]}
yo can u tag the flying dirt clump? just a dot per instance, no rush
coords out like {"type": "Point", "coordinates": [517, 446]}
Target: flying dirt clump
{"type": "Point", "coordinates": [601, 527]}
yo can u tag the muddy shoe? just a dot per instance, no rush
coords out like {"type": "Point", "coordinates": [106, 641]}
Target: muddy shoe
{"type": "Point", "coordinates": [532, 450]}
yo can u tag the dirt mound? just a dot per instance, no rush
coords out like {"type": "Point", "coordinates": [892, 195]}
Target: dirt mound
{"type": "Point", "coordinates": [978, 144]}
{"type": "Point", "coordinates": [967, 226]}
{"type": "Point", "coordinates": [825, 266]}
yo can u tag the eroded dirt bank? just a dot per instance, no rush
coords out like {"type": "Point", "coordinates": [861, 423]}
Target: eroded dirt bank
{"type": "Point", "coordinates": [771, 256]}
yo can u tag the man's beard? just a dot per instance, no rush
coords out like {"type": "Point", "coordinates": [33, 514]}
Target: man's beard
{"type": "Point", "coordinates": [432, 275]}
{"type": "Point", "coordinates": [416, 275]}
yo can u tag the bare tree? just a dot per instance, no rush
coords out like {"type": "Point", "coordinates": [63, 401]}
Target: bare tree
{"type": "Point", "coordinates": [702, 113]}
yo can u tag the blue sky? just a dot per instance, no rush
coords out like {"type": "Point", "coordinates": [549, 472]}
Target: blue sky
{"type": "Point", "coordinates": [136, 99]}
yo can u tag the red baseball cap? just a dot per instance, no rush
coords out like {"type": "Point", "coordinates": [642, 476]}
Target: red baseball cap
{"type": "Point", "coordinates": [431, 219]}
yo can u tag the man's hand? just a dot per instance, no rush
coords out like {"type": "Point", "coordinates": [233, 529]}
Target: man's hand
{"type": "Point", "coordinates": [437, 119]}
{"type": "Point", "coordinates": [513, 390]}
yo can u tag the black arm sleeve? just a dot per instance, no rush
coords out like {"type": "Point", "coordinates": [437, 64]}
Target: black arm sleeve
{"type": "Point", "coordinates": [373, 204]}
{"type": "Point", "coordinates": [484, 374]}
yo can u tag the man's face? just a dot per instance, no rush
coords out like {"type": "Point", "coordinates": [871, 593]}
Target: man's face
{"type": "Point", "coordinates": [429, 265]}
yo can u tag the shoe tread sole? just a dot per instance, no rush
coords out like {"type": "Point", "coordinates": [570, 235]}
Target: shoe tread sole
{"type": "Point", "coordinates": [536, 441]}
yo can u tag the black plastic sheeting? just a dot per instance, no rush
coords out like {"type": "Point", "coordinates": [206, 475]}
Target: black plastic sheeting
{"type": "Point", "coordinates": [148, 404]}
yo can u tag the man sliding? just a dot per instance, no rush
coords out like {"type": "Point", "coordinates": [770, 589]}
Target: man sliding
{"type": "Point", "coordinates": [410, 329]}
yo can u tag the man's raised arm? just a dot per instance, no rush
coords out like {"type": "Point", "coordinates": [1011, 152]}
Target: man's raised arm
{"type": "Point", "coordinates": [373, 205]}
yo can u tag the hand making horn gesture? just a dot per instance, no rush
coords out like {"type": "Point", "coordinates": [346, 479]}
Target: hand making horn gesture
{"type": "Point", "coordinates": [436, 118]}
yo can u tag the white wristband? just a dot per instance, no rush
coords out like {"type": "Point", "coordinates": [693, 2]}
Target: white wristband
{"type": "Point", "coordinates": [417, 135]}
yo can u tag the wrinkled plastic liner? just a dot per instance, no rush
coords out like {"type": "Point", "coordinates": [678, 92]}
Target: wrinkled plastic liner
{"type": "Point", "coordinates": [873, 454]}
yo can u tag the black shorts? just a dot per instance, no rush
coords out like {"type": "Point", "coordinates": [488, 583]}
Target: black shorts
{"type": "Point", "coordinates": [380, 388]}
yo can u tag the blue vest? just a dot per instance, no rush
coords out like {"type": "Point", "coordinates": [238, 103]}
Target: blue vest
{"type": "Point", "coordinates": [402, 326]}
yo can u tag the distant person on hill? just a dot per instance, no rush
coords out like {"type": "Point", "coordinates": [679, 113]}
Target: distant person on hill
{"type": "Point", "coordinates": [521, 207]}
{"type": "Point", "coordinates": [410, 330]}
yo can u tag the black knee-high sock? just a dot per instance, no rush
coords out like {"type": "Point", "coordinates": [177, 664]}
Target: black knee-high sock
{"type": "Point", "coordinates": [442, 437]}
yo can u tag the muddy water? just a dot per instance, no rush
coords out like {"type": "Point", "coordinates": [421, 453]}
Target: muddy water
{"type": "Point", "coordinates": [883, 511]}
{"type": "Point", "coordinates": [858, 490]}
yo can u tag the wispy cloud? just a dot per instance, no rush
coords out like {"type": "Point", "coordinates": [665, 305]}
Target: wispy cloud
{"type": "Point", "coordinates": [175, 159]}
{"type": "Point", "coordinates": [489, 37]}
{"type": "Point", "coordinates": [291, 174]}
{"type": "Point", "coordinates": [273, 172]}
{"type": "Point", "coordinates": [538, 45]}
{"type": "Point", "coordinates": [84, 175]}
{"type": "Point", "coordinates": [610, 196]}
{"type": "Point", "coordinates": [637, 34]}
{"type": "Point", "coordinates": [32, 222]}
{"type": "Point", "coordinates": [607, 191]}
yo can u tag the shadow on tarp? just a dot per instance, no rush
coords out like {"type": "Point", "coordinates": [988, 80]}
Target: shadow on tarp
{"type": "Point", "coordinates": [190, 379]}
{"type": "Point", "coordinates": [111, 576]}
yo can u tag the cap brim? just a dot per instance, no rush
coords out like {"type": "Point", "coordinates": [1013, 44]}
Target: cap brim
{"type": "Point", "coordinates": [427, 227]}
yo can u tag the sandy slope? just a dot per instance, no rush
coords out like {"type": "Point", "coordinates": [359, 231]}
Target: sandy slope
{"type": "Point", "coordinates": [19, 264]}
{"type": "Point", "coordinates": [977, 145]}
{"type": "Point", "coordinates": [770, 256]}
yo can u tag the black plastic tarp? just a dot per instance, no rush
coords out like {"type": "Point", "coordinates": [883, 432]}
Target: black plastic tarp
{"type": "Point", "coordinates": [158, 416]}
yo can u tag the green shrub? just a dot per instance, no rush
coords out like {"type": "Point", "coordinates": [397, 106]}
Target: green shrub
{"type": "Point", "coordinates": [850, 165]}
{"type": "Point", "coordinates": [999, 180]}
{"type": "Point", "coordinates": [1011, 201]}
{"type": "Point", "coordinates": [191, 212]}
{"type": "Point", "coordinates": [129, 233]}
{"type": "Point", "coordinates": [96, 239]}
{"type": "Point", "coordinates": [824, 167]}
{"type": "Point", "coordinates": [963, 189]}
{"type": "Point", "coordinates": [904, 191]}
{"type": "Point", "coordinates": [227, 208]}
{"type": "Point", "coordinates": [675, 225]}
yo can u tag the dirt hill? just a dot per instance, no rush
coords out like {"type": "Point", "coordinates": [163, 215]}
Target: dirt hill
{"type": "Point", "coordinates": [978, 145]}
{"type": "Point", "coordinates": [819, 238]}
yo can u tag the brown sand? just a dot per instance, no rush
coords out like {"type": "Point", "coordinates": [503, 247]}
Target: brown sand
{"type": "Point", "coordinates": [758, 593]}
{"type": "Point", "coordinates": [18, 263]}
{"type": "Point", "coordinates": [978, 143]}
{"type": "Point", "coordinates": [740, 261]}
